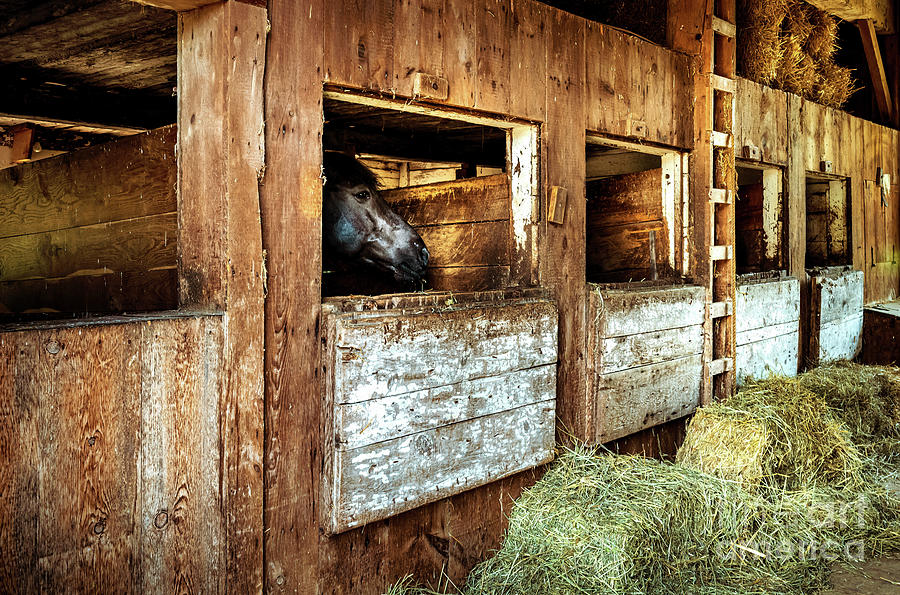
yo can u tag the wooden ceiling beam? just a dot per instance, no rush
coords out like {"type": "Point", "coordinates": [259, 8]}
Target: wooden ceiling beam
{"type": "Point", "coordinates": [185, 5]}
{"type": "Point", "coordinates": [876, 67]}
{"type": "Point", "coordinates": [880, 12]}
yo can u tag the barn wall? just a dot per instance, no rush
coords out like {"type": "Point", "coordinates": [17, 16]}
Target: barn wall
{"type": "Point", "coordinates": [111, 436]}
{"type": "Point", "coordinates": [94, 230]}
{"type": "Point", "coordinates": [517, 58]}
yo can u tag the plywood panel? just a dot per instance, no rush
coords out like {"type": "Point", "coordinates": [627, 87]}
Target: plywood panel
{"type": "Point", "coordinates": [427, 403]}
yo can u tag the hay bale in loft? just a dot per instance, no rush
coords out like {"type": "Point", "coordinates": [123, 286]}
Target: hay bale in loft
{"type": "Point", "coordinates": [790, 44]}
{"type": "Point", "coordinates": [759, 31]}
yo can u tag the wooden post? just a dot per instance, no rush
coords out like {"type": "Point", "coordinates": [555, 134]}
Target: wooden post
{"type": "Point", "coordinates": [795, 185]}
{"type": "Point", "coordinates": [291, 214]}
{"type": "Point", "coordinates": [220, 156]}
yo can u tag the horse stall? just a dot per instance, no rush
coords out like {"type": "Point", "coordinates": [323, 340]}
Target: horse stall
{"type": "Point", "coordinates": [645, 325]}
{"type": "Point", "coordinates": [428, 395]}
{"type": "Point", "coordinates": [767, 301]}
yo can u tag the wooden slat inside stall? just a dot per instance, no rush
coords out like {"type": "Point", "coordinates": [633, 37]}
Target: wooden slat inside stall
{"type": "Point", "coordinates": [91, 231]}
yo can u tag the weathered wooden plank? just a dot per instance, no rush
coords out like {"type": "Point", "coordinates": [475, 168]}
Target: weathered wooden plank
{"type": "Point", "coordinates": [627, 312]}
{"type": "Point", "coordinates": [460, 201]}
{"type": "Point", "coordinates": [493, 27]}
{"type": "Point", "coordinates": [778, 354]}
{"type": "Point", "coordinates": [480, 278]}
{"type": "Point", "coordinates": [764, 333]}
{"type": "Point", "coordinates": [629, 198]}
{"type": "Point", "coordinates": [623, 252]}
{"type": "Point", "coordinates": [128, 178]}
{"type": "Point", "coordinates": [840, 339]}
{"type": "Point", "coordinates": [528, 60]}
{"type": "Point", "coordinates": [390, 353]}
{"type": "Point", "coordinates": [631, 351]}
{"type": "Point", "coordinates": [760, 120]}
{"type": "Point", "coordinates": [460, 60]}
{"type": "Point", "coordinates": [132, 245]}
{"type": "Point", "coordinates": [631, 400]}
{"type": "Point", "coordinates": [417, 42]}
{"type": "Point", "coordinates": [465, 244]}
{"type": "Point", "coordinates": [381, 480]}
{"type": "Point", "coordinates": [376, 420]}
{"type": "Point", "coordinates": [841, 296]}
{"type": "Point", "coordinates": [359, 44]}
{"type": "Point", "coordinates": [183, 514]}
{"type": "Point", "coordinates": [76, 511]}
{"type": "Point", "coordinates": [766, 303]}
{"type": "Point", "coordinates": [881, 334]}
{"type": "Point", "coordinates": [111, 292]}
{"type": "Point", "coordinates": [631, 81]}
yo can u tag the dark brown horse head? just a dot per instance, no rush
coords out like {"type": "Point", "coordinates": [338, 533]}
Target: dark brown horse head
{"type": "Point", "coordinates": [358, 226]}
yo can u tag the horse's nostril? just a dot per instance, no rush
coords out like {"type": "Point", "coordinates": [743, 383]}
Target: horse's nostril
{"type": "Point", "coordinates": [424, 256]}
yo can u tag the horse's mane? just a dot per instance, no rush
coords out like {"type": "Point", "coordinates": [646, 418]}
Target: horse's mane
{"type": "Point", "coordinates": [344, 169]}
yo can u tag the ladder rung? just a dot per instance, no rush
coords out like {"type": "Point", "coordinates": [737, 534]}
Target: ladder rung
{"type": "Point", "coordinates": [721, 309]}
{"type": "Point", "coordinates": [719, 139]}
{"type": "Point", "coordinates": [723, 27]}
{"type": "Point", "coordinates": [720, 366]}
{"type": "Point", "coordinates": [721, 83]}
{"type": "Point", "coordinates": [721, 252]}
{"type": "Point", "coordinates": [720, 196]}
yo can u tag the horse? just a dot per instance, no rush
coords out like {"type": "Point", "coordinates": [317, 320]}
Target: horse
{"type": "Point", "coordinates": [361, 231]}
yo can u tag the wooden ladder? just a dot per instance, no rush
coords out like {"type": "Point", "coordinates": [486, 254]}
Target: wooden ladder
{"type": "Point", "coordinates": [717, 151]}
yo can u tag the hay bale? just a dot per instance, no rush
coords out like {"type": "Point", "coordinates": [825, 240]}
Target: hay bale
{"type": "Point", "coordinates": [803, 444]}
{"type": "Point", "coordinates": [821, 42]}
{"type": "Point", "coordinates": [714, 436]}
{"type": "Point", "coordinates": [759, 28]}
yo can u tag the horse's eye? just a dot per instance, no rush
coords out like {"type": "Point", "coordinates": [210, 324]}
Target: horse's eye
{"type": "Point", "coordinates": [363, 196]}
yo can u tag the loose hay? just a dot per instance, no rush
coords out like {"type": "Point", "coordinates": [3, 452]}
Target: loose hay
{"type": "Point", "coordinates": [772, 513]}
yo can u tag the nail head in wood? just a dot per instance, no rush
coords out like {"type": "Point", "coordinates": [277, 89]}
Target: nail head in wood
{"type": "Point", "coordinates": [556, 210]}
{"type": "Point", "coordinates": [429, 86]}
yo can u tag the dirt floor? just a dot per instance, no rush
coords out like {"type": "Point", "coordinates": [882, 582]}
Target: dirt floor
{"type": "Point", "coordinates": [876, 577]}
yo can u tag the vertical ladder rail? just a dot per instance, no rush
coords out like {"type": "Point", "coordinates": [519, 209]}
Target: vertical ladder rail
{"type": "Point", "coordinates": [721, 70]}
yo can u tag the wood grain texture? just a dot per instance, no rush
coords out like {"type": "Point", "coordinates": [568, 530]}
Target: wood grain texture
{"type": "Point", "coordinates": [836, 316]}
{"type": "Point", "coordinates": [125, 179]}
{"type": "Point", "coordinates": [460, 201]}
{"type": "Point", "coordinates": [221, 158]}
{"type": "Point", "coordinates": [291, 202]}
{"type": "Point", "coordinates": [760, 119]}
{"type": "Point", "coordinates": [122, 487]}
{"type": "Point", "coordinates": [631, 80]}
{"type": "Point", "coordinates": [642, 343]}
{"type": "Point", "coordinates": [767, 319]}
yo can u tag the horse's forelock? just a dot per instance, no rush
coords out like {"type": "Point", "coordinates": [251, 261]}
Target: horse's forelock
{"type": "Point", "coordinates": [344, 169]}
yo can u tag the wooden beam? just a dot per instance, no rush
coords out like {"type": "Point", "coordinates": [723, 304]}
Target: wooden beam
{"type": "Point", "coordinates": [876, 67]}
{"type": "Point", "coordinates": [185, 5]}
{"type": "Point", "coordinates": [221, 61]}
{"type": "Point", "coordinates": [179, 5]}
{"type": "Point", "coordinates": [880, 12]}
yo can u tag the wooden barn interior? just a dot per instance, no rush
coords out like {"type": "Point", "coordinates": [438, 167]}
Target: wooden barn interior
{"type": "Point", "coordinates": [623, 224]}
